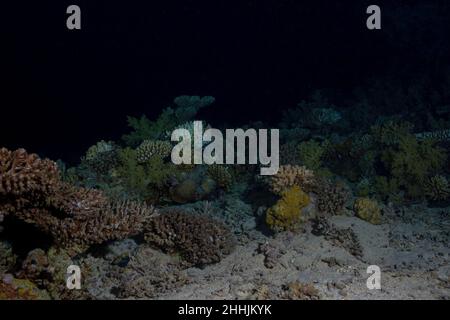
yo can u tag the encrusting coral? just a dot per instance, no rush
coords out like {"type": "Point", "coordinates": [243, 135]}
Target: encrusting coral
{"type": "Point", "coordinates": [199, 240]}
{"type": "Point", "coordinates": [285, 214]}
{"type": "Point", "coordinates": [368, 210]}
{"type": "Point", "coordinates": [150, 148]}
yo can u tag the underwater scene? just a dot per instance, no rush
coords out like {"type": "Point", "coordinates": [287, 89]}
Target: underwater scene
{"type": "Point", "coordinates": [210, 151]}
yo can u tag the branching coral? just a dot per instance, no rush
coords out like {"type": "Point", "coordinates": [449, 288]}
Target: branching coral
{"type": "Point", "coordinates": [150, 148]}
{"type": "Point", "coordinates": [92, 218]}
{"type": "Point", "coordinates": [411, 162]}
{"type": "Point", "coordinates": [32, 192]}
{"type": "Point", "coordinates": [368, 210]}
{"type": "Point", "coordinates": [25, 174]}
{"type": "Point", "coordinates": [198, 239]}
{"type": "Point", "coordinates": [285, 214]}
{"type": "Point", "coordinates": [391, 132]}
{"type": "Point", "coordinates": [147, 181]}
{"type": "Point", "coordinates": [331, 197]}
{"type": "Point", "coordinates": [437, 188]}
{"type": "Point", "coordinates": [186, 107]}
{"type": "Point", "coordinates": [311, 153]}
{"type": "Point", "coordinates": [221, 175]}
{"type": "Point", "coordinates": [101, 157]}
{"type": "Point", "coordinates": [289, 176]}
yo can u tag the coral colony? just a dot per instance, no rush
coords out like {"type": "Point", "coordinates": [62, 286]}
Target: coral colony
{"type": "Point", "coordinates": [172, 207]}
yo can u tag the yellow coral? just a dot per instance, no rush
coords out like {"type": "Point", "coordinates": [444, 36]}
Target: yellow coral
{"type": "Point", "coordinates": [368, 210]}
{"type": "Point", "coordinates": [285, 214]}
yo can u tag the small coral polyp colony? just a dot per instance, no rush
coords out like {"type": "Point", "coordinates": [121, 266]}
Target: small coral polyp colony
{"type": "Point", "coordinates": [130, 189]}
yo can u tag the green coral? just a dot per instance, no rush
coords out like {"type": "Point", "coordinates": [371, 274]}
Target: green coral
{"type": "Point", "coordinates": [286, 213]}
{"type": "Point", "coordinates": [186, 107]}
{"type": "Point", "coordinates": [410, 162]}
{"type": "Point", "coordinates": [368, 210]}
{"type": "Point", "coordinates": [144, 181]}
{"type": "Point", "coordinates": [311, 153]}
{"type": "Point", "coordinates": [391, 132]}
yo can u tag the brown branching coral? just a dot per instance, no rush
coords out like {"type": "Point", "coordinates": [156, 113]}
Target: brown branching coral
{"type": "Point", "coordinates": [331, 197]}
{"type": "Point", "coordinates": [198, 239]}
{"type": "Point", "coordinates": [30, 189]}
{"type": "Point", "coordinates": [22, 173]}
{"type": "Point", "coordinates": [289, 176]}
{"type": "Point", "coordinates": [88, 217]}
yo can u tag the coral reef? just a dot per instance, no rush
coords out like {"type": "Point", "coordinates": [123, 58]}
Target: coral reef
{"type": "Point", "coordinates": [198, 239]}
{"type": "Point", "coordinates": [368, 210]}
{"type": "Point", "coordinates": [18, 289]}
{"type": "Point", "coordinates": [285, 214]}
{"type": "Point", "coordinates": [411, 162]}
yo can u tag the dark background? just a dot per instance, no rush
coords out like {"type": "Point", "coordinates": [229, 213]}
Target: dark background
{"type": "Point", "coordinates": [64, 90]}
